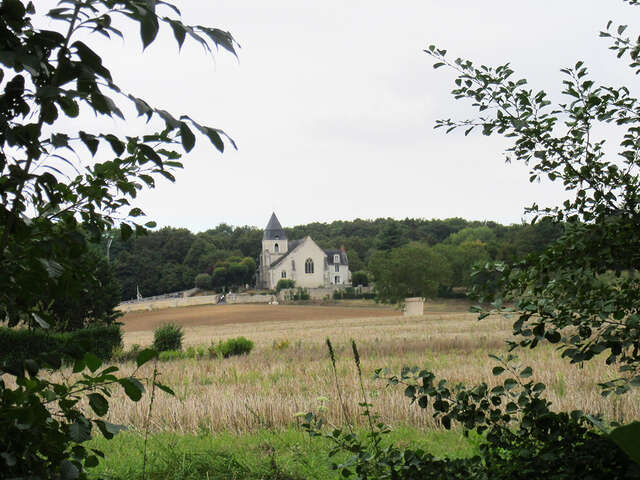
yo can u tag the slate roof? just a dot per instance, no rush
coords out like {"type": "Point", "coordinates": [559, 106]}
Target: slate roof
{"type": "Point", "coordinates": [343, 257]}
{"type": "Point", "coordinates": [274, 230]}
{"type": "Point", "coordinates": [292, 245]}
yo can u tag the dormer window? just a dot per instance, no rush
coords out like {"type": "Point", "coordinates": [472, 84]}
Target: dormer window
{"type": "Point", "coordinates": [336, 259]}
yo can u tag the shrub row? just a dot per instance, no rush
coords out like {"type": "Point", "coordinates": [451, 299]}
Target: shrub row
{"type": "Point", "coordinates": [352, 293]}
{"type": "Point", "coordinates": [17, 345]}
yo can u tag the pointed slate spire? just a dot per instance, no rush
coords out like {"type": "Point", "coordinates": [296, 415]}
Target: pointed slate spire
{"type": "Point", "coordinates": [274, 230]}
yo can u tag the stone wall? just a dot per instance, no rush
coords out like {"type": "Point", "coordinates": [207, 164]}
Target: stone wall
{"type": "Point", "coordinates": [232, 298]}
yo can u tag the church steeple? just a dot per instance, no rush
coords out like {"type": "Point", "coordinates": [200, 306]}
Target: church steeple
{"type": "Point", "coordinates": [274, 230]}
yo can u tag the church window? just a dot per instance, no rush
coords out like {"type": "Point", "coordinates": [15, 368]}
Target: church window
{"type": "Point", "coordinates": [293, 265]}
{"type": "Point", "coordinates": [276, 248]}
{"type": "Point", "coordinates": [337, 267]}
{"type": "Point", "coordinates": [336, 259]}
{"type": "Point", "coordinates": [308, 266]}
{"type": "Point", "coordinates": [284, 274]}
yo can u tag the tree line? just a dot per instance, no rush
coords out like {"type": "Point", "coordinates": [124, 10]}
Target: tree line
{"type": "Point", "coordinates": [170, 259]}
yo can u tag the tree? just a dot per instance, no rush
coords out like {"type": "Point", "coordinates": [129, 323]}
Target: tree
{"type": "Point", "coordinates": [413, 270]}
{"type": "Point", "coordinates": [562, 287]}
{"type": "Point", "coordinates": [203, 281]}
{"type": "Point", "coordinates": [580, 293]}
{"type": "Point", "coordinates": [85, 293]}
{"type": "Point", "coordinates": [48, 188]}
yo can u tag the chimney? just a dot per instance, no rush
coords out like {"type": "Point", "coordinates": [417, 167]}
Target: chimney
{"type": "Point", "coordinates": [342, 250]}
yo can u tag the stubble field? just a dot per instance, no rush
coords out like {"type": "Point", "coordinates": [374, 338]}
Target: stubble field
{"type": "Point", "coordinates": [289, 370]}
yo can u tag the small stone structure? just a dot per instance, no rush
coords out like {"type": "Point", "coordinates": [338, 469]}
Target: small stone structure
{"type": "Point", "coordinates": [414, 306]}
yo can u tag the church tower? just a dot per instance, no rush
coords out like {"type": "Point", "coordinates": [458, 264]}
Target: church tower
{"type": "Point", "coordinates": [274, 246]}
{"type": "Point", "coordinates": [274, 239]}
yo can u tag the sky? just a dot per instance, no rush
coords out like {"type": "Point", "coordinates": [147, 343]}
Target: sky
{"type": "Point", "coordinates": [332, 105]}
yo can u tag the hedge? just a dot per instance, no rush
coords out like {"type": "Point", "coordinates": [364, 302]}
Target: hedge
{"type": "Point", "coordinates": [17, 344]}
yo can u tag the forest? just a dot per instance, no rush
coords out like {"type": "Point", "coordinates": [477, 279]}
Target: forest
{"type": "Point", "coordinates": [168, 259]}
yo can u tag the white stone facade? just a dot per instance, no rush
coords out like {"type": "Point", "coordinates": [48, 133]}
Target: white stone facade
{"type": "Point", "coordinates": [302, 261]}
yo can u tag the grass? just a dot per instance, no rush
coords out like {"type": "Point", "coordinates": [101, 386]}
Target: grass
{"type": "Point", "coordinates": [285, 455]}
{"type": "Point", "coordinates": [288, 371]}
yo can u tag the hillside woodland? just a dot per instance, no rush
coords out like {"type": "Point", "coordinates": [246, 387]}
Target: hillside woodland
{"type": "Point", "coordinates": [168, 260]}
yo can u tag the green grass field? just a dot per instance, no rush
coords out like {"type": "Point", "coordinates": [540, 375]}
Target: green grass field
{"type": "Point", "coordinates": [267, 455]}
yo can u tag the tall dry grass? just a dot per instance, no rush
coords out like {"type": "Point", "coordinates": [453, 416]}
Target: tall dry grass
{"type": "Point", "coordinates": [268, 387]}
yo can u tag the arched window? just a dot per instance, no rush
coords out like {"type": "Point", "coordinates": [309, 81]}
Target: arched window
{"type": "Point", "coordinates": [276, 248]}
{"type": "Point", "coordinates": [308, 266]}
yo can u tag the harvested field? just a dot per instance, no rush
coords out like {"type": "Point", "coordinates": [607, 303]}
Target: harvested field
{"type": "Point", "coordinates": [212, 315]}
{"type": "Point", "coordinates": [289, 371]}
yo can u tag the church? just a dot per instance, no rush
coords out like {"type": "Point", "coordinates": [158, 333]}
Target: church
{"type": "Point", "coordinates": [302, 261]}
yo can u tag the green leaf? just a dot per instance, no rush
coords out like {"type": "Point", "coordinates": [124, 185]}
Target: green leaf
{"type": "Point", "coordinates": [98, 404]}
{"type": "Point", "coordinates": [148, 28]}
{"type": "Point", "coordinates": [187, 137]}
{"type": "Point", "coordinates": [93, 362]}
{"type": "Point", "coordinates": [497, 370]}
{"type": "Point", "coordinates": [165, 389]}
{"type": "Point", "coordinates": [68, 471]}
{"type": "Point", "coordinates": [126, 231]}
{"type": "Point", "coordinates": [509, 383]}
{"type": "Point", "coordinates": [526, 373]}
{"type": "Point", "coordinates": [80, 431]}
{"type": "Point", "coordinates": [90, 141]}
{"type": "Point", "coordinates": [132, 387]}
{"type": "Point", "coordinates": [109, 429]}
{"type": "Point", "coordinates": [145, 355]}
{"type": "Point", "coordinates": [179, 32]}
{"type": "Point", "coordinates": [410, 391]}
{"type": "Point", "coordinates": [627, 438]}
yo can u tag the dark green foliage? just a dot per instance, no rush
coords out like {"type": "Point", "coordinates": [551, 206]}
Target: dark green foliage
{"type": "Point", "coordinates": [203, 281]}
{"type": "Point", "coordinates": [168, 337]}
{"type": "Point", "coordinates": [351, 293]}
{"type": "Point", "coordinates": [85, 293]}
{"type": "Point", "coordinates": [17, 345]}
{"type": "Point", "coordinates": [53, 196]}
{"type": "Point", "coordinates": [167, 260]}
{"type": "Point", "coordinates": [284, 283]}
{"type": "Point", "coordinates": [44, 428]}
{"type": "Point", "coordinates": [360, 278]}
{"type": "Point", "coordinates": [414, 270]}
{"type": "Point", "coordinates": [301, 294]}
{"type": "Point", "coordinates": [231, 347]}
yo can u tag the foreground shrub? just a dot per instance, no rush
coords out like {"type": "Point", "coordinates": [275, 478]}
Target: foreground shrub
{"type": "Point", "coordinates": [43, 426]}
{"type": "Point", "coordinates": [230, 347]}
{"type": "Point", "coordinates": [168, 337]}
{"type": "Point", "coordinates": [284, 283]}
{"type": "Point", "coordinates": [17, 345]}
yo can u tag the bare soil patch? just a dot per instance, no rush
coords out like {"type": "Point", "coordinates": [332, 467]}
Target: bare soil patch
{"type": "Point", "coordinates": [213, 315]}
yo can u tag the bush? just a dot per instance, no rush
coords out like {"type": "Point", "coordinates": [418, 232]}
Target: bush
{"type": "Point", "coordinates": [17, 345]}
{"type": "Point", "coordinates": [122, 355]}
{"type": "Point", "coordinates": [352, 293]}
{"type": "Point", "coordinates": [360, 278]}
{"type": "Point", "coordinates": [203, 281]}
{"type": "Point", "coordinates": [230, 347]}
{"type": "Point", "coordinates": [301, 294]}
{"type": "Point", "coordinates": [168, 337]}
{"type": "Point", "coordinates": [284, 283]}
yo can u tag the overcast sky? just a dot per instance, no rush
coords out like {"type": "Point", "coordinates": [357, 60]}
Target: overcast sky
{"type": "Point", "coordinates": [332, 105]}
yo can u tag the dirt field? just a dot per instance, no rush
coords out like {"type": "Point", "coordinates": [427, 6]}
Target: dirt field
{"type": "Point", "coordinates": [213, 315]}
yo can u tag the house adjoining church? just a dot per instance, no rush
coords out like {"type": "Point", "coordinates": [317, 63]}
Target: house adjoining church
{"type": "Point", "coordinates": [302, 261]}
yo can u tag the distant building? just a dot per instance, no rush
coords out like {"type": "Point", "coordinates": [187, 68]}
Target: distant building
{"type": "Point", "coordinates": [302, 261]}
